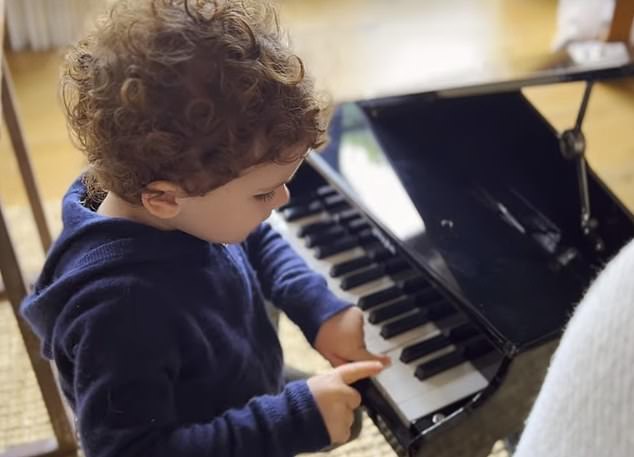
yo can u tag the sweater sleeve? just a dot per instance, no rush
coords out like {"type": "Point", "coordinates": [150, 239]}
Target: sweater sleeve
{"type": "Point", "coordinates": [124, 388]}
{"type": "Point", "coordinates": [289, 283]}
{"type": "Point", "coordinates": [585, 405]}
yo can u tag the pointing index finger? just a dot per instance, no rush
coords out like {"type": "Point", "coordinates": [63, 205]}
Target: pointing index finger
{"type": "Point", "coordinates": [355, 371]}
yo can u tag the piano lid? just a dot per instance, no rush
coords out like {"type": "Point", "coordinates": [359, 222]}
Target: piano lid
{"type": "Point", "coordinates": [476, 190]}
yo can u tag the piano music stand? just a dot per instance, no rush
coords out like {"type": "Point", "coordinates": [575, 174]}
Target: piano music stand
{"type": "Point", "coordinates": [64, 443]}
{"type": "Point", "coordinates": [573, 147]}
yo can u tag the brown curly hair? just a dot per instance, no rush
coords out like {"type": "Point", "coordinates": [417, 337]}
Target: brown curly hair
{"type": "Point", "coordinates": [181, 90]}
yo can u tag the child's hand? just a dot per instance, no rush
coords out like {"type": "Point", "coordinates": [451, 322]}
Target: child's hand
{"type": "Point", "coordinates": [335, 398]}
{"type": "Point", "coordinates": [340, 339]}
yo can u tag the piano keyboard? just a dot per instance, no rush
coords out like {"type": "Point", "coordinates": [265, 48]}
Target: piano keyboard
{"type": "Point", "coordinates": [429, 343]}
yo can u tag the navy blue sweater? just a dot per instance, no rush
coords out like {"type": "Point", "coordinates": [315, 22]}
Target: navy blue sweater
{"type": "Point", "coordinates": [162, 340]}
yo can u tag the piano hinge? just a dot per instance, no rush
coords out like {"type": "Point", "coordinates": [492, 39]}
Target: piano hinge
{"type": "Point", "coordinates": [572, 143]}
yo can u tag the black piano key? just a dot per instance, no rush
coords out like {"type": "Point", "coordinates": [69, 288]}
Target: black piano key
{"type": "Point", "coordinates": [335, 202]}
{"type": "Point", "coordinates": [324, 237]}
{"type": "Point", "coordinates": [402, 325]}
{"type": "Point", "coordinates": [414, 283]}
{"type": "Point", "coordinates": [423, 348]}
{"type": "Point", "coordinates": [430, 298]}
{"type": "Point", "coordinates": [392, 310]}
{"type": "Point", "coordinates": [314, 227]}
{"type": "Point", "coordinates": [325, 191]}
{"type": "Point", "coordinates": [454, 335]}
{"type": "Point", "coordinates": [395, 264]}
{"type": "Point", "coordinates": [362, 277]}
{"type": "Point", "coordinates": [357, 225]}
{"type": "Point", "coordinates": [366, 237]}
{"type": "Point", "coordinates": [379, 253]}
{"type": "Point", "coordinates": [461, 332]}
{"type": "Point", "coordinates": [341, 245]}
{"type": "Point", "coordinates": [376, 298]}
{"type": "Point", "coordinates": [349, 266]}
{"type": "Point", "coordinates": [476, 348]}
{"type": "Point", "coordinates": [297, 212]}
{"type": "Point", "coordinates": [390, 266]}
{"type": "Point", "coordinates": [443, 363]}
{"type": "Point", "coordinates": [439, 309]}
{"type": "Point", "coordinates": [345, 216]}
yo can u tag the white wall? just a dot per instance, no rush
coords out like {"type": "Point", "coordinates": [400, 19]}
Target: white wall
{"type": "Point", "coordinates": [45, 24]}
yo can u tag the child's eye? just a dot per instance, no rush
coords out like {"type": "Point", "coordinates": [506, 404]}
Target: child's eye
{"type": "Point", "coordinates": [265, 197]}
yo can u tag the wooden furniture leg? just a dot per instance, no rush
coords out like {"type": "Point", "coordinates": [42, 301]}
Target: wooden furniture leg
{"type": "Point", "coordinates": [621, 25]}
{"type": "Point", "coordinates": [21, 152]}
{"type": "Point", "coordinates": [13, 288]}
{"type": "Point", "coordinates": [12, 122]}
{"type": "Point", "coordinates": [16, 291]}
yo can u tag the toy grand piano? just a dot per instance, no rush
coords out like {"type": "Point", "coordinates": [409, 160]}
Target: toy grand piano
{"type": "Point", "coordinates": [466, 229]}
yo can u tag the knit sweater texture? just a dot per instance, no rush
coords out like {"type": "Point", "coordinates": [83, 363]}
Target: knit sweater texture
{"type": "Point", "coordinates": [586, 405]}
{"type": "Point", "coordinates": [162, 341]}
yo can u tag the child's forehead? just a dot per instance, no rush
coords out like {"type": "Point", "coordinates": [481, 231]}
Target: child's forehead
{"type": "Point", "coordinates": [295, 154]}
{"type": "Point", "coordinates": [271, 170]}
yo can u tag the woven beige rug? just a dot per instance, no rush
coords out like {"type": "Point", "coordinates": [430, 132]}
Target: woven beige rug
{"type": "Point", "coordinates": [22, 415]}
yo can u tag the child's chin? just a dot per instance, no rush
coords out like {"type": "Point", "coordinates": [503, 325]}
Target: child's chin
{"type": "Point", "coordinates": [232, 240]}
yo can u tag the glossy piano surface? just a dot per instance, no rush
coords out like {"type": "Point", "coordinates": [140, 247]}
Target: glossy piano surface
{"type": "Point", "coordinates": [476, 190]}
{"type": "Point", "coordinates": [452, 219]}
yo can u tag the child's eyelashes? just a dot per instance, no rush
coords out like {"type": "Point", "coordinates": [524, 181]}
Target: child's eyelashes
{"type": "Point", "coordinates": [265, 197]}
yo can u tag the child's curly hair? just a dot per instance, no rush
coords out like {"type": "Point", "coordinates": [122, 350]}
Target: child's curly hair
{"type": "Point", "coordinates": [181, 90]}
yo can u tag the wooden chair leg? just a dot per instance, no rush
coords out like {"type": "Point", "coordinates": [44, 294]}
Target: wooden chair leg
{"type": "Point", "coordinates": [621, 25]}
{"type": "Point", "coordinates": [16, 291]}
{"type": "Point", "coordinates": [21, 152]}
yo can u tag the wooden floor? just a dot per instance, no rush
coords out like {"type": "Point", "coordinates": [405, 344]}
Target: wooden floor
{"type": "Point", "coordinates": [362, 48]}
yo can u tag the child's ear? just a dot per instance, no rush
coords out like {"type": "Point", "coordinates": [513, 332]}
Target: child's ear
{"type": "Point", "coordinates": [161, 199]}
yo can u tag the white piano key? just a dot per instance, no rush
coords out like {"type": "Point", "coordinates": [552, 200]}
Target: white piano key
{"type": "Point", "coordinates": [413, 398]}
{"type": "Point", "coordinates": [374, 341]}
{"type": "Point", "coordinates": [319, 217]}
{"type": "Point", "coordinates": [410, 397]}
{"type": "Point", "coordinates": [322, 266]}
{"type": "Point", "coordinates": [409, 337]}
{"type": "Point", "coordinates": [439, 391]}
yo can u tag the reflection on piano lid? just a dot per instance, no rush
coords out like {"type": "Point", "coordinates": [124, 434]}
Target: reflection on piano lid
{"type": "Point", "coordinates": [489, 209]}
{"type": "Point", "coordinates": [453, 223]}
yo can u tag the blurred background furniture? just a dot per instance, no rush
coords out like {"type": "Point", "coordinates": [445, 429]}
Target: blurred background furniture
{"type": "Point", "coordinates": [14, 286]}
{"type": "Point", "coordinates": [621, 24]}
{"type": "Point", "coordinates": [42, 25]}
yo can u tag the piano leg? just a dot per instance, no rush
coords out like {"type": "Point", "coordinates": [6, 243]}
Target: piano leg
{"type": "Point", "coordinates": [501, 415]}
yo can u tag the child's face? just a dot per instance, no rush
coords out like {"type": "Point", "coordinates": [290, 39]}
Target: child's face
{"type": "Point", "coordinates": [229, 213]}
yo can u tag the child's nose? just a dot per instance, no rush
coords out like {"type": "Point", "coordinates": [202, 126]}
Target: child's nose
{"type": "Point", "coordinates": [283, 197]}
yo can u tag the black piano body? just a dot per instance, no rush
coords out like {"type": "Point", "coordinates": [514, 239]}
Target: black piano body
{"type": "Point", "coordinates": [463, 200]}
